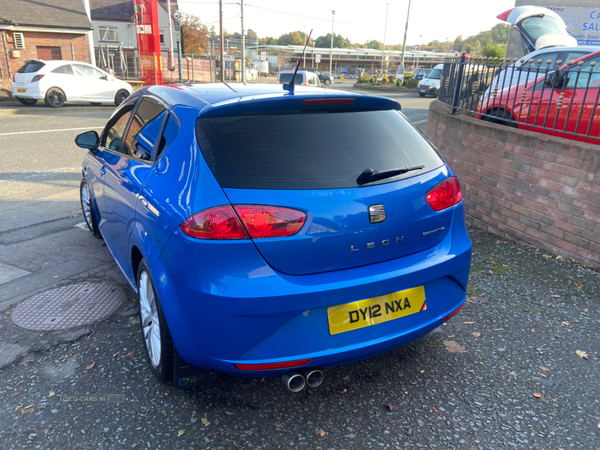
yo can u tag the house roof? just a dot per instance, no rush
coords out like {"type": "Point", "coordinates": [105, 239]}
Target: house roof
{"type": "Point", "coordinates": [117, 9]}
{"type": "Point", "coordinates": [46, 13]}
{"type": "Point", "coordinates": [111, 9]}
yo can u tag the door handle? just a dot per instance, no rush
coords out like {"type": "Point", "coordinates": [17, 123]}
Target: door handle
{"type": "Point", "coordinates": [102, 171]}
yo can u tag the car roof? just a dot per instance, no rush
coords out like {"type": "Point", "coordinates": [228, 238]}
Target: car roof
{"type": "Point", "coordinates": [51, 64]}
{"type": "Point", "coordinates": [214, 99]}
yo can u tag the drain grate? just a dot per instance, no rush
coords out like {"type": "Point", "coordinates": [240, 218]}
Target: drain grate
{"type": "Point", "coordinates": [68, 306]}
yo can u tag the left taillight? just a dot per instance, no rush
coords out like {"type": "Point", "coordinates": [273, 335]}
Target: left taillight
{"type": "Point", "coordinates": [445, 194]}
{"type": "Point", "coordinates": [37, 78]}
{"type": "Point", "coordinates": [270, 221]}
{"type": "Point", "coordinates": [246, 221]}
{"type": "Point", "coordinates": [220, 222]}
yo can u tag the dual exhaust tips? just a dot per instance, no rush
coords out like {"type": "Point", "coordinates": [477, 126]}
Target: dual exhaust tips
{"type": "Point", "coordinates": [296, 381]}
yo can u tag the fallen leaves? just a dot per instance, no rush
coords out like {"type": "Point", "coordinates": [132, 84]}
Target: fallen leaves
{"type": "Point", "coordinates": [454, 347]}
{"type": "Point", "coordinates": [205, 421]}
{"type": "Point", "coordinates": [476, 334]}
{"type": "Point", "coordinates": [51, 394]}
{"type": "Point", "coordinates": [321, 432]}
{"type": "Point", "coordinates": [581, 354]}
{"type": "Point", "coordinates": [180, 433]}
{"type": "Point", "coordinates": [129, 355]}
{"type": "Point", "coordinates": [116, 354]}
{"type": "Point", "coordinates": [389, 406]}
{"type": "Point", "coordinates": [27, 410]}
{"type": "Point", "coordinates": [567, 324]}
{"type": "Point", "coordinates": [90, 367]}
{"type": "Point", "coordinates": [537, 395]}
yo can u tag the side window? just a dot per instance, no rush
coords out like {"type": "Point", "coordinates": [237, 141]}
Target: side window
{"type": "Point", "coordinates": [572, 56]}
{"type": "Point", "coordinates": [86, 71]}
{"type": "Point", "coordinates": [587, 76]}
{"type": "Point", "coordinates": [144, 129]}
{"type": "Point", "coordinates": [65, 70]}
{"type": "Point", "coordinates": [113, 133]}
{"type": "Point", "coordinates": [169, 135]}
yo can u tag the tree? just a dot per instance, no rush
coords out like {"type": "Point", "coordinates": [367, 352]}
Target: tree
{"type": "Point", "coordinates": [251, 33]}
{"type": "Point", "coordinates": [458, 44]}
{"type": "Point", "coordinates": [500, 33]}
{"type": "Point", "coordinates": [338, 41]}
{"type": "Point", "coordinates": [194, 34]}
{"type": "Point", "coordinates": [494, 50]}
{"type": "Point", "coordinates": [374, 44]}
{"type": "Point", "coordinates": [293, 38]}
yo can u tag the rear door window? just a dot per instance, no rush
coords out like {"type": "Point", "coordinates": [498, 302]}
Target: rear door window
{"type": "Point", "coordinates": [325, 150]}
{"type": "Point", "coordinates": [144, 129]}
{"type": "Point", "coordinates": [65, 70]}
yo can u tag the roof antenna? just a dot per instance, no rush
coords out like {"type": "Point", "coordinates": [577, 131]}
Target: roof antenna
{"type": "Point", "coordinates": [290, 86]}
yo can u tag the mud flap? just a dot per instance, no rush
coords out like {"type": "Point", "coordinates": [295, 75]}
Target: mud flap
{"type": "Point", "coordinates": [186, 376]}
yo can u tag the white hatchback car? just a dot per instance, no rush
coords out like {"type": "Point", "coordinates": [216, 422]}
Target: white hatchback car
{"type": "Point", "coordinates": [56, 82]}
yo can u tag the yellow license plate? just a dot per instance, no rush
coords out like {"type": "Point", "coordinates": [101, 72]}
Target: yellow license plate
{"type": "Point", "coordinates": [372, 311]}
{"type": "Point", "coordinates": [21, 91]}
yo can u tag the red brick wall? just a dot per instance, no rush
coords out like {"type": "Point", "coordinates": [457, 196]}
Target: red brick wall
{"type": "Point", "coordinates": [539, 189]}
{"type": "Point", "coordinates": [33, 39]}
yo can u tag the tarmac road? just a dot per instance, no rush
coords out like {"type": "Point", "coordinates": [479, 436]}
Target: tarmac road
{"type": "Point", "coordinates": [502, 374]}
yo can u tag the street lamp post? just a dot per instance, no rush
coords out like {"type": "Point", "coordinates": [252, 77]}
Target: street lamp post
{"type": "Point", "coordinates": [404, 43]}
{"type": "Point", "coordinates": [384, 35]}
{"type": "Point", "coordinates": [331, 53]}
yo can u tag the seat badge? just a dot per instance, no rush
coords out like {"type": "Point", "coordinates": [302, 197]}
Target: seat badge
{"type": "Point", "coordinates": [376, 213]}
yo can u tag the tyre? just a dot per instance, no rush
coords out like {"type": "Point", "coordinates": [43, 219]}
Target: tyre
{"type": "Point", "coordinates": [155, 332]}
{"type": "Point", "coordinates": [55, 97]}
{"type": "Point", "coordinates": [327, 82]}
{"type": "Point", "coordinates": [435, 94]}
{"type": "Point", "coordinates": [95, 103]}
{"type": "Point", "coordinates": [89, 215]}
{"type": "Point", "coordinates": [421, 94]}
{"type": "Point", "coordinates": [122, 94]}
{"type": "Point", "coordinates": [501, 117]}
{"type": "Point", "coordinates": [27, 101]}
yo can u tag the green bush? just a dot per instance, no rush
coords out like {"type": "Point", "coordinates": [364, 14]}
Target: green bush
{"type": "Point", "coordinates": [373, 80]}
{"type": "Point", "coordinates": [410, 83]}
{"type": "Point", "coordinates": [385, 80]}
{"type": "Point", "coordinates": [364, 78]}
{"type": "Point", "coordinates": [397, 83]}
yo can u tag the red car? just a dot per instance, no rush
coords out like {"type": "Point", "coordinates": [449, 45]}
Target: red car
{"type": "Point", "coordinates": [564, 103]}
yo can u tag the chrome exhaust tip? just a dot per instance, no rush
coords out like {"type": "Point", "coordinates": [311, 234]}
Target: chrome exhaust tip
{"type": "Point", "coordinates": [314, 377]}
{"type": "Point", "coordinates": [294, 381]}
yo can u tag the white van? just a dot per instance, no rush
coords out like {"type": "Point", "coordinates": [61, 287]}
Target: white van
{"type": "Point", "coordinates": [430, 85]}
{"type": "Point", "coordinates": [302, 78]}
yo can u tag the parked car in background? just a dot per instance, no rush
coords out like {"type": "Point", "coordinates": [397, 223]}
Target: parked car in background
{"type": "Point", "coordinates": [268, 233]}
{"type": "Point", "coordinates": [303, 78]}
{"type": "Point", "coordinates": [530, 66]}
{"type": "Point", "coordinates": [419, 74]}
{"type": "Point", "coordinates": [324, 77]}
{"type": "Point", "coordinates": [57, 82]}
{"type": "Point", "coordinates": [430, 85]}
{"type": "Point", "coordinates": [561, 102]}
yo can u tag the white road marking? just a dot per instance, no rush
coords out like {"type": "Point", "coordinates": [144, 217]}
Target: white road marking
{"type": "Point", "coordinates": [48, 131]}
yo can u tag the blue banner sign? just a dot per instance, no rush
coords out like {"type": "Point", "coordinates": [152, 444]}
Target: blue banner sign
{"type": "Point", "coordinates": [582, 23]}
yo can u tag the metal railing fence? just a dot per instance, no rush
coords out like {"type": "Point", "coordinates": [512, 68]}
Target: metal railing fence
{"type": "Point", "coordinates": [535, 95]}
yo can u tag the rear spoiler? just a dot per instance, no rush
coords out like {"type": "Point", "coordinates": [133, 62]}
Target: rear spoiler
{"type": "Point", "coordinates": [268, 104]}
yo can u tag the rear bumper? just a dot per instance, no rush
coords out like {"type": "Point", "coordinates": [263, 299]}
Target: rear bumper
{"type": "Point", "coordinates": [30, 92]}
{"type": "Point", "coordinates": [235, 309]}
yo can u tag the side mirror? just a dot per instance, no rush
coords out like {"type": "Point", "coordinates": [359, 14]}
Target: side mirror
{"type": "Point", "coordinates": [551, 79]}
{"type": "Point", "coordinates": [88, 140]}
{"type": "Point", "coordinates": [555, 79]}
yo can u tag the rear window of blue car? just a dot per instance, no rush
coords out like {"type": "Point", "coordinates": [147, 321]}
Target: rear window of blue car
{"type": "Point", "coordinates": [326, 150]}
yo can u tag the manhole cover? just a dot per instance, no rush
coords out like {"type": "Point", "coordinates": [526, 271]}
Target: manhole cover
{"type": "Point", "coordinates": [68, 307]}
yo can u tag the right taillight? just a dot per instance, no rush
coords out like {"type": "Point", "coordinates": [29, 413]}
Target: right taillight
{"type": "Point", "coordinates": [445, 194]}
{"type": "Point", "coordinates": [246, 221]}
{"type": "Point", "coordinates": [37, 78]}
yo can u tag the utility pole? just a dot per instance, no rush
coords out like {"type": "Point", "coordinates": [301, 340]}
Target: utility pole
{"type": "Point", "coordinates": [221, 38]}
{"type": "Point", "coordinates": [404, 42]}
{"type": "Point", "coordinates": [384, 35]}
{"type": "Point", "coordinates": [243, 47]}
{"type": "Point", "coordinates": [331, 53]}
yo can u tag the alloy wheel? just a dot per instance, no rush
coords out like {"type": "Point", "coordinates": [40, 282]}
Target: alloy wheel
{"type": "Point", "coordinates": [149, 317]}
{"type": "Point", "coordinates": [56, 97]}
{"type": "Point", "coordinates": [86, 204]}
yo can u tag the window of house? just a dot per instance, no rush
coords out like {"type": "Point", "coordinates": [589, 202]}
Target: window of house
{"type": "Point", "coordinates": [162, 37]}
{"type": "Point", "coordinates": [108, 33]}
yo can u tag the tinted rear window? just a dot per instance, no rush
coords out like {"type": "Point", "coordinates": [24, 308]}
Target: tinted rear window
{"type": "Point", "coordinates": [311, 151]}
{"type": "Point", "coordinates": [31, 67]}
{"type": "Point", "coordinates": [287, 77]}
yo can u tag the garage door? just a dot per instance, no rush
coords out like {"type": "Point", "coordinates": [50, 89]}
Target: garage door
{"type": "Point", "coordinates": [49, 53]}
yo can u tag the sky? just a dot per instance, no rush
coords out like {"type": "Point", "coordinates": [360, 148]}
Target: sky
{"type": "Point", "coordinates": [360, 21]}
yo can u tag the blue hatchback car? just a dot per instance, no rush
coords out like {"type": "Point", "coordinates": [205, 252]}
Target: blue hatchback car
{"type": "Point", "coordinates": [271, 231]}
